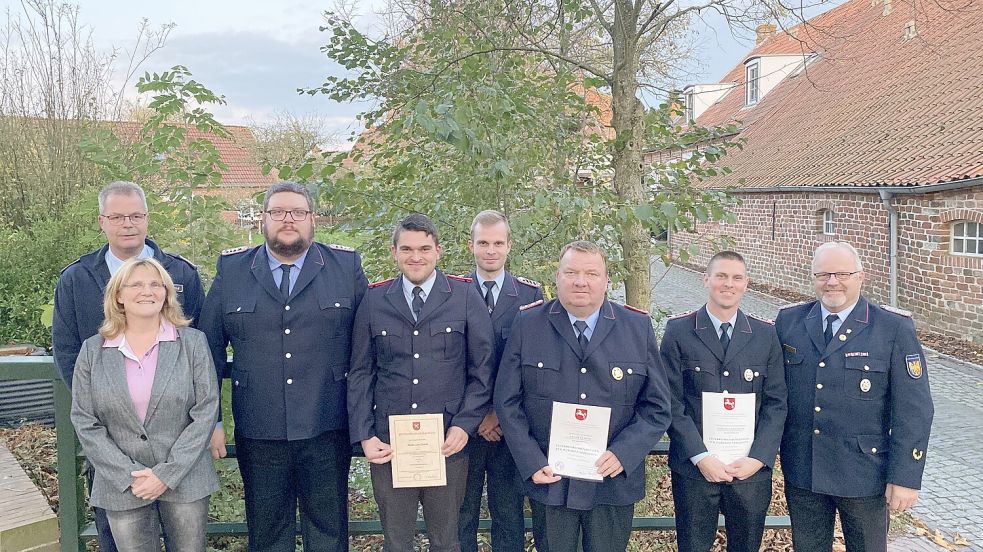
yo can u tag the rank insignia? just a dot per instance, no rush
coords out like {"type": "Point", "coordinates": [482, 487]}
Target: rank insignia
{"type": "Point", "coordinates": [617, 373]}
{"type": "Point", "coordinates": [917, 454]}
{"type": "Point", "coordinates": [748, 374]}
{"type": "Point", "coordinates": [914, 363]}
{"type": "Point", "coordinates": [865, 385]}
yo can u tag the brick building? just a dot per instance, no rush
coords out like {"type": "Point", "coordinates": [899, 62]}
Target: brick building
{"type": "Point", "coordinates": [864, 124]}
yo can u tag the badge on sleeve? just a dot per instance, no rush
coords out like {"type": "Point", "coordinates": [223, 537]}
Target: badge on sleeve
{"type": "Point", "coordinates": [914, 363]}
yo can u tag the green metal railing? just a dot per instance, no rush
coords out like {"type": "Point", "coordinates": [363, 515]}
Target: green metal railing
{"type": "Point", "coordinates": [71, 490]}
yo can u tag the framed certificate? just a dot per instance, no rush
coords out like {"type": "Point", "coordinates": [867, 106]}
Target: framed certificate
{"type": "Point", "coordinates": [416, 440]}
{"type": "Point", "coordinates": [578, 438]}
{"type": "Point", "coordinates": [728, 424]}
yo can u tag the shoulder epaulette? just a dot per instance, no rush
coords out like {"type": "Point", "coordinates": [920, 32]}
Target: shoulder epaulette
{"type": "Point", "coordinates": [531, 305]}
{"type": "Point", "coordinates": [636, 309]}
{"type": "Point", "coordinates": [528, 282]}
{"type": "Point", "coordinates": [896, 310]}
{"type": "Point", "coordinates": [71, 263]}
{"type": "Point", "coordinates": [680, 315]}
{"type": "Point", "coordinates": [176, 256]}
{"type": "Point", "coordinates": [460, 278]}
{"type": "Point", "coordinates": [790, 305]}
{"type": "Point", "coordinates": [339, 247]}
{"type": "Point", "coordinates": [381, 283]}
{"type": "Point", "coordinates": [234, 250]}
{"type": "Point", "coordinates": [760, 319]}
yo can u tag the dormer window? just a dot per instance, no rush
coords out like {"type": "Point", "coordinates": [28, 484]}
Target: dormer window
{"type": "Point", "coordinates": [752, 74]}
{"type": "Point", "coordinates": [690, 112]}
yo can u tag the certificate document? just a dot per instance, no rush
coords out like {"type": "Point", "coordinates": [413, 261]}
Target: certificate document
{"type": "Point", "coordinates": [578, 437]}
{"type": "Point", "coordinates": [728, 424]}
{"type": "Point", "coordinates": [416, 440]}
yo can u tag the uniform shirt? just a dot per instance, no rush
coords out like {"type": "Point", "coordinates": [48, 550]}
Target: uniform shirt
{"type": "Point", "coordinates": [425, 286]}
{"type": "Point", "coordinates": [496, 289]}
{"type": "Point", "coordinates": [114, 263]}
{"type": "Point", "coordinates": [591, 323]}
{"type": "Point", "coordinates": [278, 272]}
{"type": "Point", "coordinates": [841, 316]}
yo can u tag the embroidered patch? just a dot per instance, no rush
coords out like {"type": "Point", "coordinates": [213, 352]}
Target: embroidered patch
{"type": "Point", "coordinates": [914, 363]}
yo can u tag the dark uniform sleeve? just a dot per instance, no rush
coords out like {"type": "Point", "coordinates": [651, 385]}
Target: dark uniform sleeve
{"type": "Point", "coordinates": [65, 341]}
{"type": "Point", "coordinates": [361, 376]}
{"type": "Point", "coordinates": [480, 356]}
{"type": "Point", "coordinates": [652, 414]}
{"type": "Point", "coordinates": [774, 406]}
{"type": "Point", "coordinates": [194, 295]}
{"type": "Point", "coordinates": [361, 282]}
{"type": "Point", "coordinates": [529, 458]}
{"type": "Point", "coordinates": [212, 323]}
{"type": "Point", "coordinates": [683, 431]}
{"type": "Point", "coordinates": [911, 409]}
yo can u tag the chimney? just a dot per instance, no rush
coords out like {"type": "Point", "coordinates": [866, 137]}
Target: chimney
{"type": "Point", "coordinates": [764, 31]}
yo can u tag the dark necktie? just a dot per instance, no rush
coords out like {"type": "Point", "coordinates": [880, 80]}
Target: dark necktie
{"type": "Point", "coordinates": [417, 302]}
{"type": "Point", "coordinates": [489, 296]}
{"type": "Point", "coordinates": [724, 336]}
{"type": "Point", "coordinates": [285, 280]}
{"type": "Point", "coordinates": [828, 334]}
{"type": "Point", "coordinates": [581, 334]}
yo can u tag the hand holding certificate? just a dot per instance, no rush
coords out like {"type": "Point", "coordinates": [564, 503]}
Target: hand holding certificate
{"type": "Point", "coordinates": [728, 424]}
{"type": "Point", "coordinates": [578, 438]}
{"type": "Point", "coordinates": [417, 457]}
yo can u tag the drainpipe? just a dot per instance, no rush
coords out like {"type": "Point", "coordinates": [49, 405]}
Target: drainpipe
{"type": "Point", "coordinates": [892, 231]}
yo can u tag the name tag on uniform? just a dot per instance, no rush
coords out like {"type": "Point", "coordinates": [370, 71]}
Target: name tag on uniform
{"type": "Point", "coordinates": [178, 288]}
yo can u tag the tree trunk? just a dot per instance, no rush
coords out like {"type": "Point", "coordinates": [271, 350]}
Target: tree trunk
{"type": "Point", "coordinates": [627, 120]}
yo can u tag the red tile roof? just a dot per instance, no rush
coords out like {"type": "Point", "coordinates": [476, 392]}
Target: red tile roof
{"type": "Point", "coordinates": [243, 170]}
{"type": "Point", "coordinates": [873, 109]}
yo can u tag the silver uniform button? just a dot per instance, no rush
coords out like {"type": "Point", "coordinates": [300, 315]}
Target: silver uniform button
{"type": "Point", "coordinates": [287, 307]}
{"type": "Point", "coordinates": [337, 304]}
{"type": "Point", "coordinates": [583, 370]}
{"type": "Point", "coordinates": [416, 355]}
{"type": "Point", "coordinates": [413, 406]}
{"type": "Point", "coordinates": [383, 332]}
{"type": "Point", "coordinates": [237, 382]}
{"type": "Point", "coordinates": [822, 364]}
{"type": "Point", "coordinates": [415, 381]}
{"type": "Point", "coordinates": [630, 371]}
{"type": "Point", "coordinates": [818, 409]}
{"type": "Point", "coordinates": [583, 395]}
{"type": "Point", "coordinates": [288, 355]}
{"type": "Point", "coordinates": [238, 309]}
{"type": "Point", "coordinates": [448, 330]}
{"type": "Point", "coordinates": [416, 332]}
{"type": "Point", "coordinates": [816, 431]}
{"type": "Point", "coordinates": [290, 381]}
{"type": "Point", "coordinates": [756, 374]}
{"type": "Point", "coordinates": [697, 368]}
{"type": "Point", "coordinates": [726, 373]}
{"type": "Point", "coordinates": [540, 365]}
{"type": "Point", "coordinates": [873, 450]}
{"type": "Point", "coordinates": [287, 331]}
{"type": "Point", "coordinates": [819, 386]}
{"type": "Point", "coordinates": [866, 368]}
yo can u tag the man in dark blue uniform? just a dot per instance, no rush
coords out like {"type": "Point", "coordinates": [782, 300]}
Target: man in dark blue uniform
{"type": "Point", "coordinates": [719, 349]}
{"type": "Point", "coordinates": [422, 345]}
{"type": "Point", "coordinates": [504, 293]}
{"type": "Point", "coordinates": [860, 410]}
{"type": "Point", "coordinates": [123, 217]}
{"type": "Point", "coordinates": [582, 349]}
{"type": "Point", "coordinates": [287, 308]}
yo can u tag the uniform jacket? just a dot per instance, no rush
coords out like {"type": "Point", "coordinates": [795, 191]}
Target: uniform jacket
{"type": "Point", "coordinates": [543, 363]}
{"type": "Point", "coordinates": [290, 356]}
{"type": "Point", "coordinates": [78, 301]}
{"type": "Point", "coordinates": [860, 409]}
{"type": "Point", "coordinates": [696, 362]}
{"type": "Point", "coordinates": [172, 440]}
{"type": "Point", "coordinates": [514, 294]}
{"type": "Point", "coordinates": [441, 363]}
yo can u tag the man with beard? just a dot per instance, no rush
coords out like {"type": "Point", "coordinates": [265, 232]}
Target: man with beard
{"type": "Point", "coordinates": [859, 409]}
{"type": "Point", "coordinates": [287, 308]}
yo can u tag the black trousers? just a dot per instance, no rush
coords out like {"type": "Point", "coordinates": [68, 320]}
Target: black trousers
{"type": "Point", "coordinates": [864, 520]}
{"type": "Point", "coordinates": [603, 528]}
{"type": "Point", "coordinates": [441, 506]}
{"type": "Point", "coordinates": [698, 502]}
{"type": "Point", "coordinates": [505, 501]}
{"type": "Point", "coordinates": [280, 475]}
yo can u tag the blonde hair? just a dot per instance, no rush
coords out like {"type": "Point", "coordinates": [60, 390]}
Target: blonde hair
{"type": "Point", "coordinates": [115, 317]}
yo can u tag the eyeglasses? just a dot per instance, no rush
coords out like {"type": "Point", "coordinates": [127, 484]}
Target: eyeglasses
{"type": "Point", "coordinates": [297, 215]}
{"type": "Point", "coordinates": [840, 276]}
{"type": "Point", "coordinates": [154, 286]}
{"type": "Point", "coordinates": [116, 220]}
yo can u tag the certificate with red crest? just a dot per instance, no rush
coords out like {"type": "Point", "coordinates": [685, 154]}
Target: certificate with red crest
{"type": "Point", "coordinates": [578, 438]}
{"type": "Point", "coordinates": [728, 424]}
{"type": "Point", "coordinates": [416, 441]}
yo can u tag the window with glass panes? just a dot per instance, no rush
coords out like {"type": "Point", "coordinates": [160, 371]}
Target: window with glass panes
{"type": "Point", "coordinates": [967, 238]}
{"type": "Point", "coordinates": [829, 222]}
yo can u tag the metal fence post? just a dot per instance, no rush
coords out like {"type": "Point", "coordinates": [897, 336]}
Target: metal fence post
{"type": "Point", "coordinates": [71, 497]}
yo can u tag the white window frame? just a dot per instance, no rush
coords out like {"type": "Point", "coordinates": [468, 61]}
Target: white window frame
{"type": "Point", "coordinates": [966, 238]}
{"type": "Point", "coordinates": [752, 82]}
{"type": "Point", "coordinates": [690, 106]}
{"type": "Point", "coordinates": [829, 222]}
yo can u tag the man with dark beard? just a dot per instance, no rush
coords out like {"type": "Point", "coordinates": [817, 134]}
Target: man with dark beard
{"type": "Point", "coordinates": [287, 308]}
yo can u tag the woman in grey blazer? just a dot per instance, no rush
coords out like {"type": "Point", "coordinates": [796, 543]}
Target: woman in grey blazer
{"type": "Point", "coordinates": [144, 403]}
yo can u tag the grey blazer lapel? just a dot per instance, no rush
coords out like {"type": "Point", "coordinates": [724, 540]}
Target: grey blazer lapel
{"type": "Point", "coordinates": [111, 360]}
{"type": "Point", "coordinates": [167, 354]}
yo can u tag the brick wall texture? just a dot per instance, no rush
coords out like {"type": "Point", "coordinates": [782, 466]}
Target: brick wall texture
{"type": "Point", "coordinates": [778, 232]}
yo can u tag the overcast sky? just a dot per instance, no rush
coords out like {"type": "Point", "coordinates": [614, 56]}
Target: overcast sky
{"type": "Point", "coordinates": [257, 53]}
